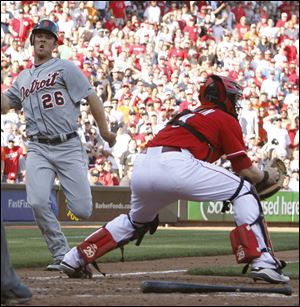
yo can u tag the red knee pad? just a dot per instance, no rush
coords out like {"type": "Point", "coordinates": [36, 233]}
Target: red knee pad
{"type": "Point", "coordinates": [244, 244]}
{"type": "Point", "coordinates": [96, 245]}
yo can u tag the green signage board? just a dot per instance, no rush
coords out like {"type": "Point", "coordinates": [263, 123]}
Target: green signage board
{"type": "Point", "coordinates": [281, 207]}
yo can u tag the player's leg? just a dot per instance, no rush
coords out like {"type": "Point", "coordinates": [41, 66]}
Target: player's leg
{"type": "Point", "coordinates": [72, 171]}
{"type": "Point", "coordinates": [40, 174]}
{"type": "Point", "coordinates": [247, 210]}
{"type": "Point", "coordinates": [210, 182]}
{"type": "Point", "coordinates": [9, 278]}
{"type": "Point", "coordinates": [153, 187]}
{"type": "Point", "coordinates": [13, 291]}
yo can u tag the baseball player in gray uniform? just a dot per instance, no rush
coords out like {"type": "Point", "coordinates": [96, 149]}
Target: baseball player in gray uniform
{"type": "Point", "coordinates": [50, 94]}
{"type": "Point", "coordinates": [13, 291]}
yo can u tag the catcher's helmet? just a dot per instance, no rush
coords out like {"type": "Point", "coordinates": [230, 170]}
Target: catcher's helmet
{"type": "Point", "coordinates": [44, 25]}
{"type": "Point", "coordinates": [222, 92]}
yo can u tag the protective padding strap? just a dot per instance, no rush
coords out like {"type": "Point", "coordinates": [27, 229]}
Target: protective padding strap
{"type": "Point", "coordinates": [191, 129]}
{"type": "Point", "coordinates": [262, 223]}
{"type": "Point", "coordinates": [96, 245]}
{"type": "Point", "coordinates": [140, 231]}
{"type": "Point", "coordinates": [226, 203]}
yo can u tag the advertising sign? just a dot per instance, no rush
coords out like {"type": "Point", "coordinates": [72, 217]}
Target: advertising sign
{"type": "Point", "coordinates": [281, 207]}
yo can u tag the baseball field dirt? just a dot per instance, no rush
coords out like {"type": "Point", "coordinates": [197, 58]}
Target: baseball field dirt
{"type": "Point", "coordinates": [121, 285]}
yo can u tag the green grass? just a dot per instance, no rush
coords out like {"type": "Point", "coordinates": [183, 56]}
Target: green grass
{"type": "Point", "coordinates": [28, 248]}
{"type": "Point", "coordinates": [291, 270]}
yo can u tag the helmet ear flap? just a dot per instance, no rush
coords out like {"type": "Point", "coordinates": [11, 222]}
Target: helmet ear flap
{"type": "Point", "coordinates": [31, 39]}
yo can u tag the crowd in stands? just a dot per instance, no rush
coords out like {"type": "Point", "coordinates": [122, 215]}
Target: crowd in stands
{"type": "Point", "coordinates": [147, 61]}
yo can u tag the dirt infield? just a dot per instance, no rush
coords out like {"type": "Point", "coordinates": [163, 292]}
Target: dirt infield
{"type": "Point", "coordinates": [121, 286]}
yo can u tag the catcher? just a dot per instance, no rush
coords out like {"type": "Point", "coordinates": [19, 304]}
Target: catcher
{"type": "Point", "coordinates": [177, 164]}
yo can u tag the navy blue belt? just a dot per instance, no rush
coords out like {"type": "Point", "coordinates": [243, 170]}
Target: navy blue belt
{"type": "Point", "coordinates": [54, 141]}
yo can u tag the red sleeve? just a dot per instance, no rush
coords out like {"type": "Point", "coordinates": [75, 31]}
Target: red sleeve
{"type": "Point", "coordinates": [234, 146]}
{"type": "Point", "coordinates": [232, 141]}
{"type": "Point", "coordinates": [239, 163]}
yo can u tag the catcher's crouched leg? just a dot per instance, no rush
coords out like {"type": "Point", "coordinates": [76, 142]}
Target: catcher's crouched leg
{"type": "Point", "coordinates": [116, 233]}
{"type": "Point", "coordinates": [251, 242]}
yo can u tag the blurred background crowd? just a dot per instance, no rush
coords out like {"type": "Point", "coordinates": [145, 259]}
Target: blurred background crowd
{"type": "Point", "coordinates": [147, 61]}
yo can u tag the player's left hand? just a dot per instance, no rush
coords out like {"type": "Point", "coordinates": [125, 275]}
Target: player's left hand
{"type": "Point", "coordinates": [277, 171]}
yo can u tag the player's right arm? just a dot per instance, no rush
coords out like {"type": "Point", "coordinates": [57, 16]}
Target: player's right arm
{"type": "Point", "coordinates": [235, 149]}
{"type": "Point", "coordinates": [97, 111]}
{"type": "Point", "coordinates": [5, 104]}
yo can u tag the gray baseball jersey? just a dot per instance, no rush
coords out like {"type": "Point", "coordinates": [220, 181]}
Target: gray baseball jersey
{"type": "Point", "coordinates": [50, 96]}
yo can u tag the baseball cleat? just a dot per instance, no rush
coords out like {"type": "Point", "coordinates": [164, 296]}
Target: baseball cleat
{"type": "Point", "coordinates": [17, 295]}
{"type": "Point", "coordinates": [81, 272]}
{"type": "Point", "coordinates": [273, 276]}
{"type": "Point", "coordinates": [55, 266]}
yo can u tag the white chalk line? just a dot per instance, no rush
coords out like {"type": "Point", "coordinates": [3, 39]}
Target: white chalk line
{"type": "Point", "coordinates": [114, 274]}
{"type": "Point", "coordinates": [218, 294]}
{"type": "Point", "coordinates": [127, 274]}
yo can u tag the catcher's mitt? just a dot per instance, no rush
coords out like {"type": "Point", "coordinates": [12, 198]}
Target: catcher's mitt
{"type": "Point", "coordinates": [264, 189]}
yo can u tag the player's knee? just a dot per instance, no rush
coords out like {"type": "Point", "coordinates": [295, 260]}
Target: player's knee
{"type": "Point", "coordinates": [39, 202]}
{"type": "Point", "coordinates": [82, 209]}
{"type": "Point", "coordinates": [246, 207]}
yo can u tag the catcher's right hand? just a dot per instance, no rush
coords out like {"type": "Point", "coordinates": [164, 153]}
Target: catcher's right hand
{"type": "Point", "coordinates": [274, 172]}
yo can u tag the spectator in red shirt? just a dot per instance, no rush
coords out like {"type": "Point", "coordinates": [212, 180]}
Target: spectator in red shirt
{"type": "Point", "coordinates": [192, 29]}
{"type": "Point", "coordinates": [177, 50]}
{"type": "Point", "coordinates": [137, 48]}
{"type": "Point", "coordinates": [133, 132]}
{"type": "Point", "coordinates": [76, 57]}
{"type": "Point", "coordinates": [242, 28]}
{"type": "Point", "coordinates": [111, 23]}
{"type": "Point", "coordinates": [12, 154]}
{"type": "Point", "coordinates": [281, 22]}
{"type": "Point", "coordinates": [118, 9]}
{"type": "Point", "coordinates": [290, 50]}
{"type": "Point", "coordinates": [239, 11]}
{"type": "Point", "coordinates": [189, 103]}
{"type": "Point", "coordinates": [105, 177]}
{"type": "Point", "coordinates": [19, 27]}
{"type": "Point", "coordinates": [261, 131]}
{"type": "Point", "coordinates": [293, 73]}
{"type": "Point", "coordinates": [114, 175]}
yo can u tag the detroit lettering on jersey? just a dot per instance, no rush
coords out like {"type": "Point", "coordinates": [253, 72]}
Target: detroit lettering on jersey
{"type": "Point", "coordinates": [38, 84]}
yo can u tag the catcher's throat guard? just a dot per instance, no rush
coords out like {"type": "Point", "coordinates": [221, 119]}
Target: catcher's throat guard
{"type": "Point", "coordinates": [244, 244]}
